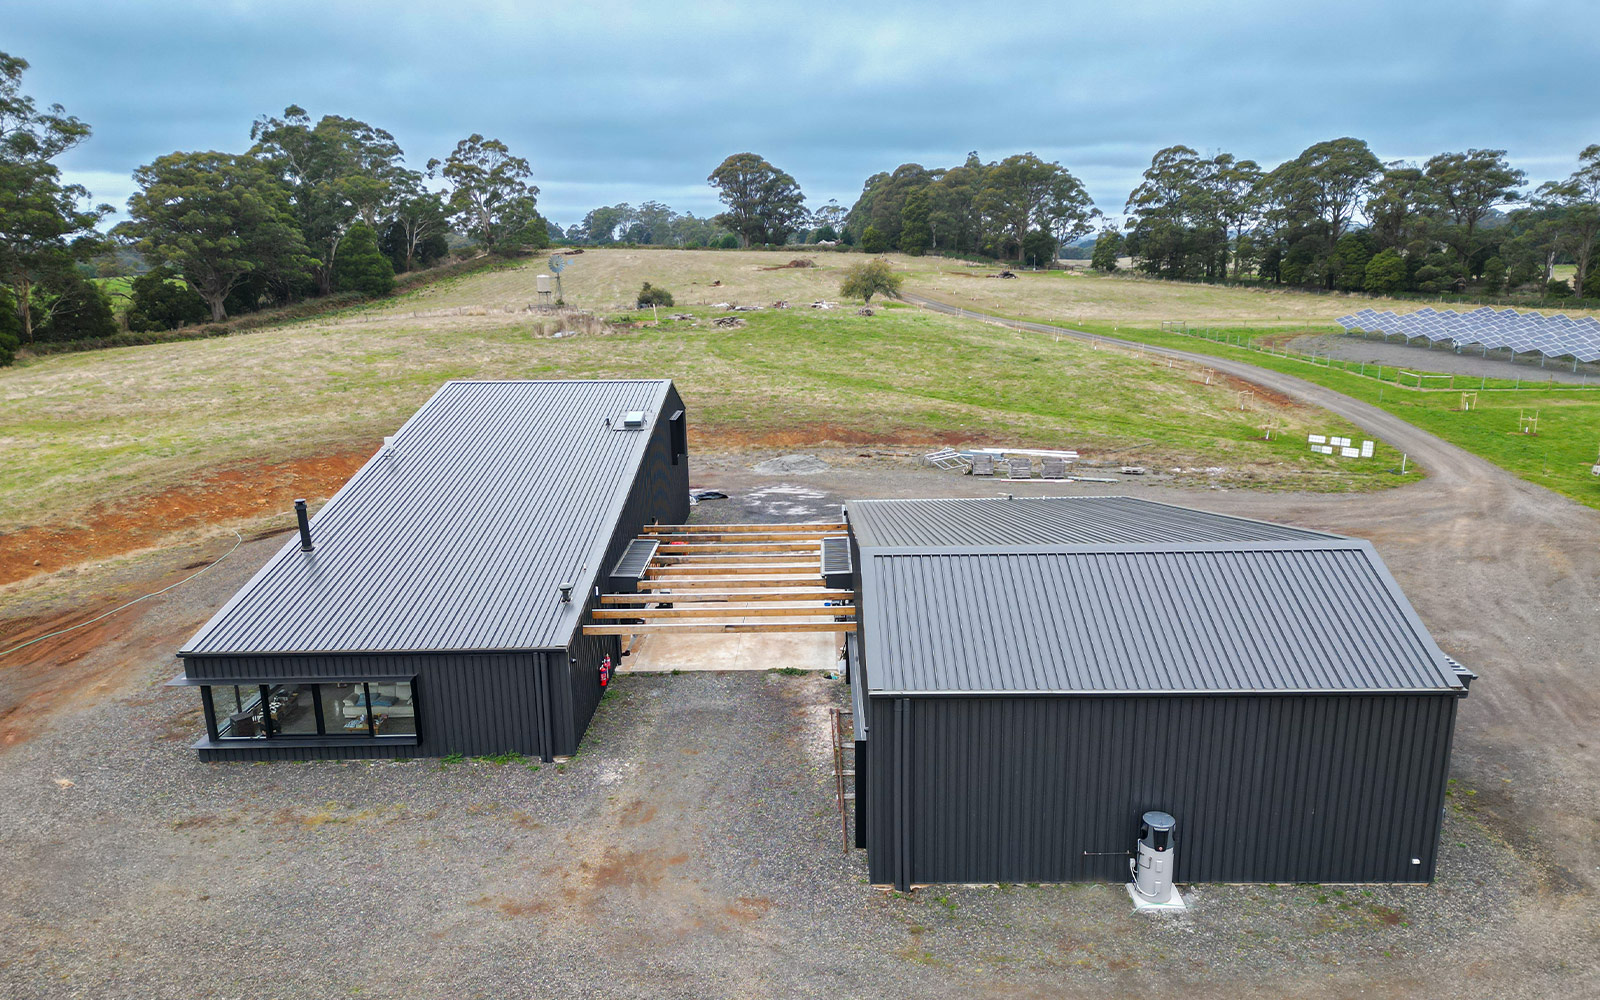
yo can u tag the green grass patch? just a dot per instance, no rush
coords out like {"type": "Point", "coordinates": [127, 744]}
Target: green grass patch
{"type": "Point", "coordinates": [1558, 457]}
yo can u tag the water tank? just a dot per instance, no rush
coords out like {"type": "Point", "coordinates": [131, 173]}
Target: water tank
{"type": "Point", "coordinates": [1153, 859]}
{"type": "Point", "coordinates": [542, 283]}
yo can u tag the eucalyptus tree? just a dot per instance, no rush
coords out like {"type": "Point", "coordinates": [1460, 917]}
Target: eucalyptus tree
{"type": "Point", "coordinates": [1465, 187]}
{"type": "Point", "coordinates": [337, 170]}
{"type": "Point", "coordinates": [1574, 205]}
{"type": "Point", "coordinates": [490, 196]}
{"type": "Point", "coordinates": [765, 204]}
{"type": "Point", "coordinates": [216, 219]}
{"type": "Point", "coordinates": [1024, 192]}
{"type": "Point", "coordinates": [45, 230]}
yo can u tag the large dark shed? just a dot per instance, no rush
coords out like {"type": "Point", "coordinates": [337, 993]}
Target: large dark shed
{"type": "Point", "coordinates": [1035, 674]}
{"type": "Point", "coordinates": [431, 613]}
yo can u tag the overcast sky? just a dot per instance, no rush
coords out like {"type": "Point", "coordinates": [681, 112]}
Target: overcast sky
{"type": "Point", "coordinates": [629, 102]}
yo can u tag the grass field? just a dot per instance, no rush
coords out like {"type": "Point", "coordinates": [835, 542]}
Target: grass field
{"type": "Point", "coordinates": [1558, 457]}
{"type": "Point", "coordinates": [80, 429]}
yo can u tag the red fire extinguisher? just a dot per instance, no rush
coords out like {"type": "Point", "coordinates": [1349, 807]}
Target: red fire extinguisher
{"type": "Point", "coordinates": [605, 670]}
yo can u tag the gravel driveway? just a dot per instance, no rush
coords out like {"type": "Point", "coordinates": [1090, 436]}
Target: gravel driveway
{"type": "Point", "coordinates": [692, 848]}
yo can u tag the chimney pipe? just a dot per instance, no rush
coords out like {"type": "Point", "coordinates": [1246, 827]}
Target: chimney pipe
{"type": "Point", "coordinates": [566, 593]}
{"type": "Point", "coordinates": [305, 525]}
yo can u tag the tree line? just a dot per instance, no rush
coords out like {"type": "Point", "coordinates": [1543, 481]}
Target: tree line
{"type": "Point", "coordinates": [1337, 217]}
{"type": "Point", "coordinates": [310, 208]}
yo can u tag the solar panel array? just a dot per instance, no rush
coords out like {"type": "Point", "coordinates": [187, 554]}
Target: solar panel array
{"type": "Point", "coordinates": [1557, 336]}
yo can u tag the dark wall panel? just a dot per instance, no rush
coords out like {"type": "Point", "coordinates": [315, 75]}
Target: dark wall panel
{"type": "Point", "coordinates": [467, 703]}
{"type": "Point", "coordinates": [1265, 788]}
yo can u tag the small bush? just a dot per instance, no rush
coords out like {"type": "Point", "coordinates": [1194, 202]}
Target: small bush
{"type": "Point", "coordinates": [873, 241]}
{"type": "Point", "coordinates": [651, 296]}
{"type": "Point", "coordinates": [869, 278]}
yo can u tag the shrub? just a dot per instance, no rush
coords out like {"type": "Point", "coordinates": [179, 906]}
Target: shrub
{"type": "Point", "coordinates": [873, 241]}
{"type": "Point", "coordinates": [361, 266]}
{"type": "Point", "coordinates": [1386, 273]}
{"type": "Point", "coordinates": [650, 296]}
{"type": "Point", "coordinates": [1558, 290]}
{"type": "Point", "coordinates": [79, 310]}
{"type": "Point", "coordinates": [869, 278]}
{"type": "Point", "coordinates": [162, 302]}
{"type": "Point", "coordinates": [1107, 248]}
{"type": "Point", "coordinates": [727, 242]}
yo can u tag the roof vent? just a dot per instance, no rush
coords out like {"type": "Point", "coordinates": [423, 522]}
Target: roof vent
{"type": "Point", "coordinates": [566, 593]}
{"type": "Point", "coordinates": [633, 420]}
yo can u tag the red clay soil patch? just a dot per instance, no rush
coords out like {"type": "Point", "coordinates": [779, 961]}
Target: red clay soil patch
{"type": "Point", "coordinates": [78, 668]}
{"type": "Point", "coordinates": [119, 527]}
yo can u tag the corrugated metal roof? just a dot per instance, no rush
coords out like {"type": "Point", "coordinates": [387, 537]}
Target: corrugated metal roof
{"type": "Point", "coordinates": [458, 532]}
{"type": "Point", "coordinates": [1051, 521]}
{"type": "Point", "coordinates": [1220, 618]}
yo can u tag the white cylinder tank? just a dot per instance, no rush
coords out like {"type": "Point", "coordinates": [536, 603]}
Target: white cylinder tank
{"type": "Point", "coordinates": [1153, 860]}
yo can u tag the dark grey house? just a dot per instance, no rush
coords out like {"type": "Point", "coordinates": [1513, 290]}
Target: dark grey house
{"type": "Point", "coordinates": [437, 608]}
{"type": "Point", "coordinates": [1032, 675]}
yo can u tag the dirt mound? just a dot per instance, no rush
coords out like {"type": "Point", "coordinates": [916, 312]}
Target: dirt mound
{"type": "Point", "coordinates": [796, 263]}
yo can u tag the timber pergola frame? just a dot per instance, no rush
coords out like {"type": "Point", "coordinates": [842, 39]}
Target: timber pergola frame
{"type": "Point", "coordinates": [729, 579]}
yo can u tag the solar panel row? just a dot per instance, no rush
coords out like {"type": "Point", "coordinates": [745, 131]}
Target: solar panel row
{"type": "Point", "coordinates": [1555, 336]}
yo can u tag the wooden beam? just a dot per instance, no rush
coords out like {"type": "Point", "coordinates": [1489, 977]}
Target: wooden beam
{"type": "Point", "coordinates": [732, 569]}
{"type": "Point", "coordinates": [724, 611]}
{"type": "Point", "coordinates": [830, 526]}
{"type": "Point", "coordinates": [669, 556]}
{"type": "Point", "coordinates": [712, 596]}
{"type": "Point", "coordinates": [798, 580]}
{"type": "Point", "coordinates": [695, 548]}
{"type": "Point", "coordinates": [696, 628]}
{"type": "Point", "coordinates": [750, 536]}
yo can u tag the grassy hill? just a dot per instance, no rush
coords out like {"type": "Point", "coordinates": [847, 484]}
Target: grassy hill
{"type": "Point", "coordinates": [80, 430]}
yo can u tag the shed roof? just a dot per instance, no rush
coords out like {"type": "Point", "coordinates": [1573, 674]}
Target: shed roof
{"type": "Point", "coordinates": [1052, 521]}
{"type": "Point", "coordinates": [457, 534]}
{"type": "Point", "coordinates": [1202, 618]}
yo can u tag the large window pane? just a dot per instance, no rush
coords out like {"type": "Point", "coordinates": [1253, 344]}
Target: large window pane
{"type": "Point", "coordinates": [238, 710]}
{"type": "Point", "coordinates": [294, 710]}
{"type": "Point", "coordinates": [387, 706]}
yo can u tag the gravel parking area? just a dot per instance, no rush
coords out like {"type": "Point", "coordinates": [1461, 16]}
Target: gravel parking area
{"type": "Point", "coordinates": [1469, 363]}
{"type": "Point", "coordinates": [692, 848]}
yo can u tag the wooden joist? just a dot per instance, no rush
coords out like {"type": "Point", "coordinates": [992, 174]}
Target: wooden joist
{"type": "Point", "coordinates": [701, 628]}
{"type": "Point", "coordinates": [724, 611]}
{"type": "Point", "coordinates": [820, 526]}
{"type": "Point", "coordinates": [731, 569]}
{"type": "Point", "coordinates": [713, 596]}
{"type": "Point", "coordinates": [671, 558]}
{"type": "Point", "coordinates": [724, 548]}
{"type": "Point", "coordinates": [774, 580]}
{"type": "Point", "coordinates": [743, 536]}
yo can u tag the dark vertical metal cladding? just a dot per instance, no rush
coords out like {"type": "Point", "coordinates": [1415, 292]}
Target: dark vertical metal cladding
{"type": "Point", "coordinates": [1267, 788]}
{"type": "Point", "coordinates": [467, 703]}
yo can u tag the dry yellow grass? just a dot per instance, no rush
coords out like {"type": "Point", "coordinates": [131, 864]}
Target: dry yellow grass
{"type": "Point", "coordinates": [610, 280]}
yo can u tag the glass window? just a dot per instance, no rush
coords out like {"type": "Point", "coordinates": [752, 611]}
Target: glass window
{"type": "Point", "coordinates": [388, 708]}
{"type": "Point", "coordinates": [294, 709]}
{"type": "Point", "coordinates": [237, 710]}
{"type": "Point", "coordinates": [336, 709]}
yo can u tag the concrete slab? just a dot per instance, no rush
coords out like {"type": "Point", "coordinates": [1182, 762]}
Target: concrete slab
{"type": "Point", "coordinates": [746, 651]}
